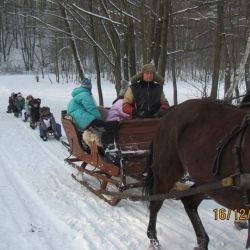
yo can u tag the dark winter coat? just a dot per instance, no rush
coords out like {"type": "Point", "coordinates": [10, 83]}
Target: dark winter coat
{"type": "Point", "coordinates": [11, 107]}
{"type": "Point", "coordinates": [12, 101]}
{"type": "Point", "coordinates": [35, 110]}
{"type": "Point", "coordinates": [147, 97]}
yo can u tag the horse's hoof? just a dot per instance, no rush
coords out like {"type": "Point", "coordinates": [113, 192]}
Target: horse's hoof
{"type": "Point", "coordinates": [155, 244]}
{"type": "Point", "coordinates": [200, 248]}
{"type": "Point", "coordinates": [241, 225]}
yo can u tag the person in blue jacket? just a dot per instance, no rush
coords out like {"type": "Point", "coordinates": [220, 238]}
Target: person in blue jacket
{"type": "Point", "coordinates": [82, 107]}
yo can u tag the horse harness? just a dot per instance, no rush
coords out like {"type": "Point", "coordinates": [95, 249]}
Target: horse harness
{"type": "Point", "coordinates": [240, 180]}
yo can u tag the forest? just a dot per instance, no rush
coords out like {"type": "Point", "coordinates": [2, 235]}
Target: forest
{"type": "Point", "coordinates": [203, 42]}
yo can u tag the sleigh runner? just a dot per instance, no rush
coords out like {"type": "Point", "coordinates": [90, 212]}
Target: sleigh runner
{"type": "Point", "coordinates": [132, 141]}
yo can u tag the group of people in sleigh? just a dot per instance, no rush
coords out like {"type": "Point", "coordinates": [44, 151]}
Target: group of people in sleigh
{"type": "Point", "coordinates": [29, 109]}
{"type": "Point", "coordinates": [143, 98]}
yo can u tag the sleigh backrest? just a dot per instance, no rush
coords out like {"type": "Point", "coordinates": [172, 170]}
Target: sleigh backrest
{"type": "Point", "coordinates": [137, 134]}
{"type": "Point", "coordinates": [73, 136]}
{"type": "Point", "coordinates": [134, 138]}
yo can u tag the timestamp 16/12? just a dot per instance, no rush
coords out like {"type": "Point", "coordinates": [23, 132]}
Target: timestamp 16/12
{"type": "Point", "coordinates": [227, 214]}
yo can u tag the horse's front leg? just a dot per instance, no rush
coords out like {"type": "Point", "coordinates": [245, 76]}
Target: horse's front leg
{"type": "Point", "coordinates": [191, 205]}
{"type": "Point", "coordinates": [154, 207]}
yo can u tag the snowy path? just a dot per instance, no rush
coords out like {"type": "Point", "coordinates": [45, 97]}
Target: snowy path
{"type": "Point", "coordinates": [42, 207]}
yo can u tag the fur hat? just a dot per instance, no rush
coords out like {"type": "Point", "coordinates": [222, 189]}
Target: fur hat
{"type": "Point", "coordinates": [29, 97]}
{"type": "Point", "coordinates": [124, 87]}
{"type": "Point", "coordinates": [147, 68]}
{"type": "Point", "coordinates": [138, 77]}
{"type": "Point", "coordinates": [86, 83]}
{"type": "Point", "coordinates": [44, 111]}
{"type": "Point", "coordinates": [36, 101]}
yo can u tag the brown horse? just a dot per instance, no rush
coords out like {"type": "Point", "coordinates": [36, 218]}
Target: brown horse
{"type": "Point", "coordinates": [187, 141]}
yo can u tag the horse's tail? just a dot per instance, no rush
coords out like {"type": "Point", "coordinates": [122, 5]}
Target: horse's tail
{"type": "Point", "coordinates": [149, 181]}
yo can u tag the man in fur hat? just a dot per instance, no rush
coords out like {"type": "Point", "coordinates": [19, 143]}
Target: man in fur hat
{"type": "Point", "coordinates": [145, 97]}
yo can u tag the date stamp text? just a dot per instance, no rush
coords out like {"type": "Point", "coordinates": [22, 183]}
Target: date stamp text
{"type": "Point", "coordinates": [227, 214]}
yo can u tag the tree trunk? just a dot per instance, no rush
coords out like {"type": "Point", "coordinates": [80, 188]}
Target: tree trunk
{"type": "Point", "coordinates": [151, 34]}
{"type": "Point", "coordinates": [125, 59]}
{"type": "Point", "coordinates": [173, 55]}
{"type": "Point", "coordinates": [156, 50]}
{"type": "Point", "coordinates": [163, 55]}
{"type": "Point", "coordinates": [217, 51]}
{"type": "Point", "coordinates": [143, 32]}
{"type": "Point", "coordinates": [247, 66]}
{"type": "Point", "coordinates": [240, 70]}
{"type": "Point", "coordinates": [115, 43]}
{"type": "Point", "coordinates": [72, 42]}
{"type": "Point", "coordinates": [131, 39]}
{"type": "Point", "coordinates": [247, 74]}
{"type": "Point", "coordinates": [228, 70]}
{"type": "Point", "coordinates": [96, 59]}
{"type": "Point", "coordinates": [131, 48]}
{"type": "Point", "coordinates": [57, 73]}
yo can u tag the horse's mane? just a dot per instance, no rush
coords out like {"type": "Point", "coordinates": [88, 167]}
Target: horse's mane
{"type": "Point", "coordinates": [246, 100]}
{"type": "Point", "coordinates": [244, 103]}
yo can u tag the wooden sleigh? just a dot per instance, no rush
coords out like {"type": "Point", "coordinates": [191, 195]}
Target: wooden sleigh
{"type": "Point", "coordinates": [132, 140]}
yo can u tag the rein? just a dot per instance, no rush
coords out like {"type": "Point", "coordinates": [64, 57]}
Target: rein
{"type": "Point", "coordinates": [201, 189]}
{"type": "Point", "coordinates": [241, 180]}
{"type": "Point", "coordinates": [238, 132]}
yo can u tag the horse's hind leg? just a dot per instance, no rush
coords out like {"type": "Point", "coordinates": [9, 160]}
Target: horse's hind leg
{"type": "Point", "coordinates": [154, 207]}
{"type": "Point", "coordinates": [191, 204]}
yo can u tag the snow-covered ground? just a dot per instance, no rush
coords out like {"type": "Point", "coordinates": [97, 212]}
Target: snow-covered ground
{"type": "Point", "coordinates": [42, 207]}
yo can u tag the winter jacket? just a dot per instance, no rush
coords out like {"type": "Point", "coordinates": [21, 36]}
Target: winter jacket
{"type": "Point", "coordinates": [19, 104]}
{"type": "Point", "coordinates": [28, 104]}
{"type": "Point", "coordinates": [115, 113]}
{"type": "Point", "coordinates": [82, 108]}
{"type": "Point", "coordinates": [51, 119]}
{"type": "Point", "coordinates": [145, 98]}
{"type": "Point", "coordinates": [12, 101]}
{"type": "Point", "coordinates": [35, 110]}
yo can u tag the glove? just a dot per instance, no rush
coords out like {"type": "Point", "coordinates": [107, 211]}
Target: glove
{"type": "Point", "coordinates": [138, 113]}
{"type": "Point", "coordinates": [160, 113]}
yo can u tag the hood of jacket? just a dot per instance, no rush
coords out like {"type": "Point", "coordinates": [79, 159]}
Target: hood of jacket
{"type": "Point", "coordinates": [79, 90]}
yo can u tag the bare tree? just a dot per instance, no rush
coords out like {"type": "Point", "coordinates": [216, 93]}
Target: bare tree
{"type": "Point", "coordinates": [173, 62]}
{"type": "Point", "coordinates": [218, 48]}
{"type": "Point", "coordinates": [164, 34]}
{"type": "Point", "coordinates": [247, 65]}
{"type": "Point", "coordinates": [240, 70]}
{"type": "Point", "coordinates": [72, 39]}
{"type": "Point", "coordinates": [96, 58]}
